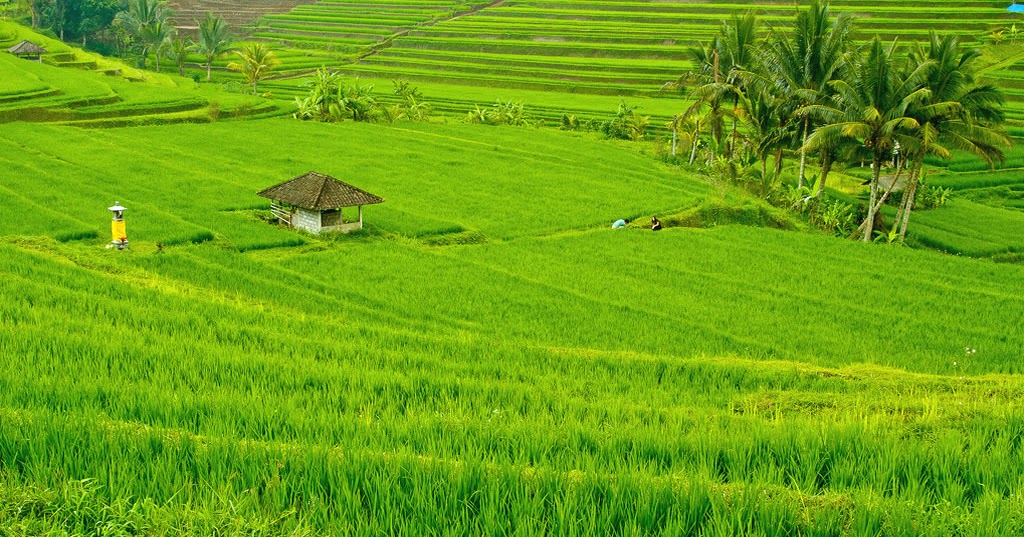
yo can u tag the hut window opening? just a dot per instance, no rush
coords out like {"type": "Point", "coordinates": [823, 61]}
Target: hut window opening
{"type": "Point", "coordinates": [331, 217]}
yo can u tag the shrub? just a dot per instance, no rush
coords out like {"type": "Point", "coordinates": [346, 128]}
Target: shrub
{"type": "Point", "coordinates": [507, 113]}
{"type": "Point", "coordinates": [627, 124]}
{"type": "Point", "coordinates": [932, 197]}
{"type": "Point", "coordinates": [834, 216]}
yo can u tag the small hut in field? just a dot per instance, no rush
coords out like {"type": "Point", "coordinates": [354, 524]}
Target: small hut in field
{"type": "Point", "coordinates": [315, 202]}
{"type": "Point", "coordinates": [28, 50]}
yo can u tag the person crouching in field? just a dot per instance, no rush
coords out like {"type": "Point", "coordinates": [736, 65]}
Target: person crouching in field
{"type": "Point", "coordinates": [655, 223]}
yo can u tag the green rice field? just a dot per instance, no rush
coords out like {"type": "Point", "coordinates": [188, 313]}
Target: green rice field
{"type": "Point", "coordinates": [487, 356]}
{"type": "Point", "coordinates": [487, 353]}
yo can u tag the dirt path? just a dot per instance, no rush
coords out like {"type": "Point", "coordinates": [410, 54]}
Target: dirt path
{"type": "Point", "coordinates": [387, 41]}
{"type": "Point", "coordinates": [239, 14]}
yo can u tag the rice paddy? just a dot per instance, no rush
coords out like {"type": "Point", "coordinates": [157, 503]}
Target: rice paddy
{"type": "Point", "coordinates": [487, 357]}
{"type": "Point", "coordinates": [554, 376]}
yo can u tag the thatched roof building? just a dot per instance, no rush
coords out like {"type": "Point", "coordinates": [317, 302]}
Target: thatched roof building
{"type": "Point", "coordinates": [314, 202]}
{"type": "Point", "coordinates": [28, 50]}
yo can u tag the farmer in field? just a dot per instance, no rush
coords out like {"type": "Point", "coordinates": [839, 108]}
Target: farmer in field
{"type": "Point", "coordinates": [619, 223]}
{"type": "Point", "coordinates": [655, 223]}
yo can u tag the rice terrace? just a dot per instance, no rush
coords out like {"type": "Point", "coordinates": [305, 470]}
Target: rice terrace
{"type": "Point", "coordinates": [513, 267]}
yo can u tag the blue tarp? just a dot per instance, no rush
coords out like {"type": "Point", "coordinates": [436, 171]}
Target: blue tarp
{"type": "Point", "coordinates": [1016, 8]}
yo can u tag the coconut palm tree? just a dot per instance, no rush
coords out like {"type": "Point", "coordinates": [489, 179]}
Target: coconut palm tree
{"type": "Point", "coordinates": [870, 106]}
{"type": "Point", "coordinates": [179, 50]}
{"type": "Point", "coordinates": [708, 97]}
{"type": "Point", "coordinates": [719, 75]}
{"type": "Point", "coordinates": [257, 62]}
{"type": "Point", "coordinates": [801, 63]}
{"type": "Point", "coordinates": [148, 22]}
{"type": "Point", "coordinates": [764, 129]}
{"type": "Point", "coordinates": [160, 35]}
{"type": "Point", "coordinates": [214, 40]}
{"type": "Point", "coordinates": [958, 114]}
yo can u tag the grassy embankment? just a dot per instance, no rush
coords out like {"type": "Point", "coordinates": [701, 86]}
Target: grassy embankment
{"type": "Point", "coordinates": [74, 87]}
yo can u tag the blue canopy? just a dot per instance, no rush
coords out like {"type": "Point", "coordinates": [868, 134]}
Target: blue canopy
{"type": "Point", "coordinates": [1016, 8]}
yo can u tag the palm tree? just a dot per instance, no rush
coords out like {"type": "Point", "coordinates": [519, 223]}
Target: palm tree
{"type": "Point", "coordinates": [720, 67]}
{"type": "Point", "coordinates": [870, 106]}
{"type": "Point", "coordinates": [739, 38]}
{"type": "Point", "coordinates": [764, 127]}
{"type": "Point", "coordinates": [178, 52]}
{"type": "Point", "coordinates": [214, 40]}
{"type": "Point", "coordinates": [708, 94]}
{"type": "Point", "coordinates": [958, 113]}
{"type": "Point", "coordinates": [802, 64]}
{"type": "Point", "coordinates": [160, 35]}
{"type": "Point", "coordinates": [148, 21]}
{"type": "Point", "coordinates": [257, 62]}
{"type": "Point", "coordinates": [36, 9]}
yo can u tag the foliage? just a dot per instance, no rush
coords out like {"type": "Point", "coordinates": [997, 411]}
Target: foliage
{"type": "Point", "coordinates": [933, 197]}
{"type": "Point", "coordinates": [214, 39]}
{"type": "Point", "coordinates": [257, 62]}
{"type": "Point", "coordinates": [331, 98]}
{"type": "Point", "coordinates": [627, 124]}
{"type": "Point", "coordinates": [179, 50]}
{"type": "Point", "coordinates": [569, 122]}
{"type": "Point", "coordinates": [413, 106]}
{"type": "Point", "coordinates": [148, 21]}
{"type": "Point", "coordinates": [573, 380]}
{"type": "Point", "coordinates": [834, 216]}
{"type": "Point", "coordinates": [73, 19]}
{"type": "Point", "coordinates": [500, 113]}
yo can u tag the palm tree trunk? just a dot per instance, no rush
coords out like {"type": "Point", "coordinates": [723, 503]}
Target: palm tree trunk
{"type": "Point", "coordinates": [803, 154]}
{"type": "Point", "coordinates": [869, 222]}
{"type": "Point", "coordinates": [906, 191]}
{"type": "Point", "coordinates": [908, 198]}
{"type": "Point", "coordinates": [209, 65]}
{"type": "Point", "coordinates": [693, 147]}
{"type": "Point", "coordinates": [826, 167]}
{"type": "Point", "coordinates": [732, 140]}
{"type": "Point", "coordinates": [778, 162]}
{"type": "Point", "coordinates": [875, 207]}
{"type": "Point", "coordinates": [675, 135]}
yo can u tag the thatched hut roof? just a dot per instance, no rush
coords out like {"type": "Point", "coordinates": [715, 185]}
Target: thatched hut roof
{"type": "Point", "coordinates": [316, 191]}
{"type": "Point", "coordinates": [26, 48]}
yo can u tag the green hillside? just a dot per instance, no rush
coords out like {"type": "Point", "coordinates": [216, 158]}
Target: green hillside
{"type": "Point", "coordinates": [585, 46]}
{"type": "Point", "coordinates": [74, 87]}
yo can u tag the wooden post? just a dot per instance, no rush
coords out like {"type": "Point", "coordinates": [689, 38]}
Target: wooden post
{"type": "Point", "coordinates": [360, 217]}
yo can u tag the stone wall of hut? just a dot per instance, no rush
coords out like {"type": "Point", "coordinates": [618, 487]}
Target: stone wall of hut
{"type": "Point", "coordinates": [307, 220]}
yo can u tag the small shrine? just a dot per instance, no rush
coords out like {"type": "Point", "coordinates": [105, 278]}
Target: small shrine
{"type": "Point", "coordinates": [28, 50]}
{"type": "Point", "coordinates": [118, 235]}
{"type": "Point", "coordinates": [315, 202]}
